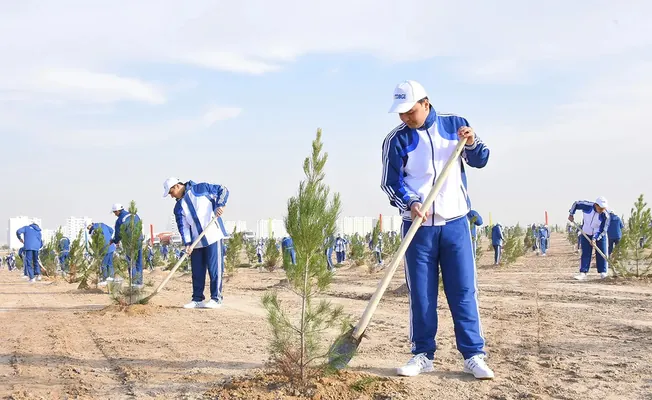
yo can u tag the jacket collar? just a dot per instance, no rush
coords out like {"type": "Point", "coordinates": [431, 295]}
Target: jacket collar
{"type": "Point", "coordinates": [430, 119]}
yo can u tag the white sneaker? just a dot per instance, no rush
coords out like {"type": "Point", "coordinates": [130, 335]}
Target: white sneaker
{"type": "Point", "coordinates": [417, 364]}
{"type": "Point", "coordinates": [193, 304]}
{"type": "Point", "coordinates": [109, 279]}
{"type": "Point", "coordinates": [478, 367]}
{"type": "Point", "coordinates": [212, 304]}
{"type": "Point", "coordinates": [581, 276]}
{"type": "Point", "coordinates": [603, 275]}
{"type": "Point", "coordinates": [38, 277]}
{"type": "Point", "coordinates": [33, 280]}
{"type": "Point", "coordinates": [103, 283]}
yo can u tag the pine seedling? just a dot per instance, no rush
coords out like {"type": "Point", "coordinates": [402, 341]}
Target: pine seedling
{"type": "Point", "coordinates": [271, 255]}
{"type": "Point", "coordinates": [296, 343]}
{"type": "Point", "coordinates": [232, 255]}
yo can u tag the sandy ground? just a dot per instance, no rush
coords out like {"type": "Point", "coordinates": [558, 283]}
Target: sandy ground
{"type": "Point", "coordinates": [548, 337]}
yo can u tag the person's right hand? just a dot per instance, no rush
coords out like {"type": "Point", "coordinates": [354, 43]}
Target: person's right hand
{"type": "Point", "coordinates": [188, 250]}
{"type": "Point", "coordinates": [571, 218]}
{"type": "Point", "coordinates": [415, 211]}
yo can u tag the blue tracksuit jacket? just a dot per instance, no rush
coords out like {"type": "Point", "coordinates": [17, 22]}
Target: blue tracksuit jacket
{"type": "Point", "coordinates": [31, 235]}
{"type": "Point", "coordinates": [107, 231]}
{"type": "Point", "coordinates": [412, 158]}
{"type": "Point", "coordinates": [195, 210]}
{"type": "Point", "coordinates": [615, 230]}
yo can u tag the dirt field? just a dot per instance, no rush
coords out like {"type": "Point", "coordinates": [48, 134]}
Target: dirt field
{"type": "Point", "coordinates": [584, 340]}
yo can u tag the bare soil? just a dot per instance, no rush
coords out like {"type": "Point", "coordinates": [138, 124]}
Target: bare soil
{"type": "Point", "coordinates": [548, 337]}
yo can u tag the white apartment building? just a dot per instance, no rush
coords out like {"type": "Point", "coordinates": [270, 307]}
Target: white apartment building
{"type": "Point", "coordinates": [16, 223]}
{"type": "Point", "coordinates": [265, 228]}
{"type": "Point", "coordinates": [172, 225]}
{"type": "Point", "coordinates": [240, 226]}
{"type": "Point", "coordinates": [392, 223]}
{"type": "Point", "coordinates": [74, 225]}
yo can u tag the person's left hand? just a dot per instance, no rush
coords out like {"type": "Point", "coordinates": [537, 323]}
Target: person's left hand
{"type": "Point", "coordinates": [466, 132]}
{"type": "Point", "coordinates": [219, 211]}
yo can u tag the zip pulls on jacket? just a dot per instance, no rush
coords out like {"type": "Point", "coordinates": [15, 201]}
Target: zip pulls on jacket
{"type": "Point", "coordinates": [434, 171]}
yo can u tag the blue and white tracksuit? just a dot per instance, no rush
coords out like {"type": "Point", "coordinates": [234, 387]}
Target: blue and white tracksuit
{"type": "Point", "coordinates": [412, 158]}
{"type": "Point", "coordinates": [32, 244]}
{"type": "Point", "coordinates": [497, 241]}
{"type": "Point", "coordinates": [259, 251]}
{"type": "Point", "coordinates": [328, 252]}
{"type": "Point", "coordinates": [340, 249]}
{"type": "Point", "coordinates": [544, 236]}
{"type": "Point", "coordinates": [288, 247]}
{"type": "Point", "coordinates": [596, 226]}
{"type": "Point", "coordinates": [193, 213]}
{"type": "Point", "coordinates": [137, 269]}
{"type": "Point", "coordinates": [107, 262]}
{"type": "Point", "coordinates": [164, 252]}
{"type": "Point", "coordinates": [378, 250]}
{"type": "Point", "coordinates": [474, 220]}
{"type": "Point", "coordinates": [64, 252]}
{"type": "Point", "coordinates": [615, 231]}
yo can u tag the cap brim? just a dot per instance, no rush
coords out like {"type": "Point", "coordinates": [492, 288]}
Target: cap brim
{"type": "Point", "coordinates": [401, 107]}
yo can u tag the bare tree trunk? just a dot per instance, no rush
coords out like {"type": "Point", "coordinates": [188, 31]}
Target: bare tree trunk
{"type": "Point", "coordinates": [303, 322]}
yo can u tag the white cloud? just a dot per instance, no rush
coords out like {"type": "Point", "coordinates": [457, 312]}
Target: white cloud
{"type": "Point", "coordinates": [229, 62]}
{"type": "Point", "coordinates": [96, 87]}
{"type": "Point", "coordinates": [257, 36]}
{"type": "Point", "coordinates": [216, 113]}
{"type": "Point", "coordinates": [492, 71]}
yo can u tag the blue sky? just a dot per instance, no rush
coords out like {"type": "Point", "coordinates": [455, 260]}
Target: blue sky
{"type": "Point", "coordinates": [102, 101]}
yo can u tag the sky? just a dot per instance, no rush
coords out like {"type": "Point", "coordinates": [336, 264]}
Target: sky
{"type": "Point", "coordinates": [101, 101]}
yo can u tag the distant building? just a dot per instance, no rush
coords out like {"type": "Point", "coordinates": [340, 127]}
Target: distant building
{"type": "Point", "coordinates": [266, 228]}
{"type": "Point", "coordinates": [240, 226]}
{"type": "Point", "coordinates": [16, 223]}
{"type": "Point", "coordinates": [74, 225]}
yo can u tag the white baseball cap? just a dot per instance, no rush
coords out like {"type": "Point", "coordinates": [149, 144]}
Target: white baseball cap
{"type": "Point", "coordinates": [602, 202]}
{"type": "Point", "coordinates": [406, 95]}
{"type": "Point", "coordinates": [117, 207]}
{"type": "Point", "coordinates": [167, 185]}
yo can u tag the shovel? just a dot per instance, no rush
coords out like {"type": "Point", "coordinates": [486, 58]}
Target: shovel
{"type": "Point", "coordinates": [179, 262]}
{"type": "Point", "coordinates": [346, 345]}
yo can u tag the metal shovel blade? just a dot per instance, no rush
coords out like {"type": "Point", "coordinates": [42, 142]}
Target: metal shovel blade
{"type": "Point", "coordinates": [343, 350]}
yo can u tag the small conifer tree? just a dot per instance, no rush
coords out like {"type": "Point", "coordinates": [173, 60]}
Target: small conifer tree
{"type": "Point", "coordinates": [131, 242]}
{"type": "Point", "coordinates": [233, 251]}
{"type": "Point", "coordinates": [98, 250]}
{"type": "Point", "coordinates": [272, 254]}
{"type": "Point", "coordinates": [76, 259]}
{"type": "Point", "coordinates": [250, 250]}
{"type": "Point", "coordinates": [631, 257]}
{"type": "Point", "coordinates": [296, 344]}
{"type": "Point", "coordinates": [514, 246]}
{"type": "Point", "coordinates": [358, 249]}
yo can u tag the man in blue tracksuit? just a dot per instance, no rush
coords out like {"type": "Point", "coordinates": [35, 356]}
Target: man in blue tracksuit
{"type": "Point", "coordinates": [64, 252]}
{"type": "Point", "coordinates": [497, 241]}
{"type": "Point", "coordinates": [106, 270]}
{"type": "Point", "coordinates": [288, 248]}
{"type": "Point", "coordinates": [30, 237]}
{"type": "Point", "coordinates": [595, 226]}
{"type": "Point", "coordinates": [544, 236]}
{"type": "Point", "coordinates": [124, 218]}
{"type": "Point", "coordinates": [164, 252]}
{"type": "Point", "coordinates": [340, 248]}
{"type": "Point", "coordinates": [196, 204]}
{"type": "Point", "coordinates": [474, 220]}
{"type": "Point", "coordinates": [615, 231]}
{"type": "Point", "coordinates": [328, 252]}
{"type": "Point", "coordinates": [413, 155]}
